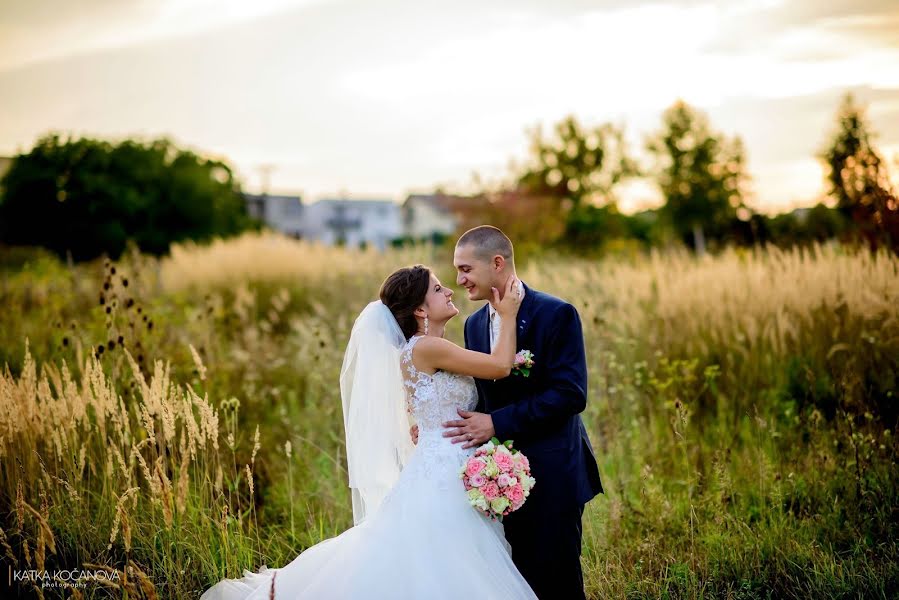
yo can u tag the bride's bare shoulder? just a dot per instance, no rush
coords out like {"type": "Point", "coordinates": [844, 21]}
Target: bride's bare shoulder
{"type": "Point", "coordinates": [427, 352]}
{"type": "Point", "coordinates": [429, 344]}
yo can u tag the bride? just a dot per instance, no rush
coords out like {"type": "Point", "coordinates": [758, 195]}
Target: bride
{"type": "Point", "coordinates": [415, 534]}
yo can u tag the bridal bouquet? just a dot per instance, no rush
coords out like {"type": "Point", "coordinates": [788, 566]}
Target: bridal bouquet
{"type": "Point", "coordinates": [497, 478]}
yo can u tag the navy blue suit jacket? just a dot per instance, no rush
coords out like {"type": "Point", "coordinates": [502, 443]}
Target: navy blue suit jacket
{"type": "Point", "coordinates": [541, 413]}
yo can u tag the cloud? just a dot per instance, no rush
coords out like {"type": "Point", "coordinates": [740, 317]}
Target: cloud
{"type": "Point", "coordinates": [44, 30]}
{"type": "Point", "coordinates": [811, 12]}
{"type": "Point", "coordinates": [37, 13]}
{"type": "Point", "coordinates": [881, 30]}
{"type": "Point", "coordinates": [810, 29]}
{"type": "Point", "coordinates": [784, 137]}
{"type": "Point", "coordinates": [785, 128]}
{"type": "Point", "coordinates": [378, 97]}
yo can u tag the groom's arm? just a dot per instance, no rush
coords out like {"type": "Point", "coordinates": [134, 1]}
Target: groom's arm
{"type": "Point", "coordinates": [566, 393]}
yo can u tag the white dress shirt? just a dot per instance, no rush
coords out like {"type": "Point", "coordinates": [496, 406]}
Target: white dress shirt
{"type": "Point", "coordinates": [495, 321]}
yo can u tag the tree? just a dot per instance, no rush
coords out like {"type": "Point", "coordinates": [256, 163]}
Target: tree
{"type": "Point", "coordinates": [89, 197]}
{"type": "Point", "coordinates": [859, 180]}
{"type": "Point", "coordinates": [575, 172]}
{"type": "Point", "coordinates": [535, 221]}
{"type": "Point", "coordinates": [701, 174]}
{"type": "Point", "coordinates": [803, 226]}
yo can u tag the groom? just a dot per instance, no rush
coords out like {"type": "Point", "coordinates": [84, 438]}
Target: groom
{"type": "Point", "coordinates": [540, 413]}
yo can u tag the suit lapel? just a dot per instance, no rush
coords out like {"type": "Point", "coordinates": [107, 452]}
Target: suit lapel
{"type": "Point", "coordinates": [481, 334]}
{"type": "Point", "coordinates": [481, 341]}
{"type": "Point", "coordinates": [495, 390]}
{"type": "Point", "coordinates": [481, 327]}
{"type": "Point", "coordinates": [526, 312]}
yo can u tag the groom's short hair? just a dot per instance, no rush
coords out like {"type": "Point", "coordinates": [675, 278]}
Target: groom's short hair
{"type": "Point", "coordinates": [488, 241]}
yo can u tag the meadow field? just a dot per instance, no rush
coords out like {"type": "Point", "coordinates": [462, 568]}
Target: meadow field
{"type": "Point", "coordinates": [169, 422]}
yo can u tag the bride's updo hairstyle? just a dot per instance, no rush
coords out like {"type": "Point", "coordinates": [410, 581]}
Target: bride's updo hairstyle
{"type": "Point", "coordinates": [403, 292]}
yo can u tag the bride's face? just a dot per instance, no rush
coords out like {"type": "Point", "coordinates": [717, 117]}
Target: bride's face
{"type": "Point", "coordinates": [438, 304]}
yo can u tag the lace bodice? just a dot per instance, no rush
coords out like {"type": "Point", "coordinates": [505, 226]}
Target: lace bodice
{"type": "Point", "coordinates": [434, 399]}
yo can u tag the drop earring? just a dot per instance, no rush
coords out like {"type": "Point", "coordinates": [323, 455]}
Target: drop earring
{"type": "Point", "coordinates": [426, 324]}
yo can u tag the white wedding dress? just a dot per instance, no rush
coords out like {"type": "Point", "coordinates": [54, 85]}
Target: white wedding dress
{"type": "Point", "coordinates": [424, 541]}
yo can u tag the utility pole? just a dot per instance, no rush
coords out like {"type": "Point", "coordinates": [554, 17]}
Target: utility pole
{"type": "Point", "coordinates": [265, 172]}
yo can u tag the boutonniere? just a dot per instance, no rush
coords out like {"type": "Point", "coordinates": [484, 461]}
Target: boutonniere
{"type": "Point", "coordinates": [523, 362]}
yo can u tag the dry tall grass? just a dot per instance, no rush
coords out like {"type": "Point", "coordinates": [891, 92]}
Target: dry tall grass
{"type": "Point", "coordinates": [272, 258]}
{"type": "Point", "coordinates": [742, 407]}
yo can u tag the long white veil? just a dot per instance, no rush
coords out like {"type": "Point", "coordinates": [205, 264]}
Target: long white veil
{"type": "Point", "coordinates": [374, 408]}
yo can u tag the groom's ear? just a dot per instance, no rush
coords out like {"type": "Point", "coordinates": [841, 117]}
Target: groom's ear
{"type": "Point", "coordinates": [499, 262]}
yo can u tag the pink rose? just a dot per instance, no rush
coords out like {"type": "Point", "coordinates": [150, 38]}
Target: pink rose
{"type": "Point", "coordinates": [490, 490]}
{"type": "Point", "coordinates": [524, 358]}
{"type": "Point", "coordinates": [477, 480]}
{"type": "Point", "coordinates": [505, 480]}
{"type": "Point", "coordinates": [504, 461]}
{"type": "Point", "coordinates": [474, 467]}
{"type": "Point", "coordinates": [515, 493]}
{"type": "Point", "coordinates": [522, 461]}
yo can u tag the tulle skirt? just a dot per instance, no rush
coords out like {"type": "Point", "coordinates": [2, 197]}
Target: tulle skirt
{"type": "Point", "coordinates": [424, 541]}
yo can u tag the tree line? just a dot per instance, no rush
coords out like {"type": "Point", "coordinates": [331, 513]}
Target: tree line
{"type": "Point", "coordinates": [83, 198]}
{"type": "Point", "coordinates": [570, 181]}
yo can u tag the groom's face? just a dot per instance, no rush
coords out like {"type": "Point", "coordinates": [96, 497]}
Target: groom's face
{"type": "Point", "coordinates": [474, 273]}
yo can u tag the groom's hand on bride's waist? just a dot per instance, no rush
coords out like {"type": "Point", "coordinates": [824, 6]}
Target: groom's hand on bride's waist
{"type": "Point", "coordinates": [473, 429]}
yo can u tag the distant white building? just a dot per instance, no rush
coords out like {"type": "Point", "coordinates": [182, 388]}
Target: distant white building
{"type": "Point", "coordinates": [353, 222]}
{"type": "Point", "coordinates": [281, 213]}
{"type": "Point", "coordinates": [357, 222]}
{"type": "Point", "coordinates": [427, 216]}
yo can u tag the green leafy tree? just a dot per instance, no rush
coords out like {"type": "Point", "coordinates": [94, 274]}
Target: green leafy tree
{"type": "Point", "coordinates": [701, 174]}
{"type": "Point", "coordinates": [576, 170]}
{"type": "Point", "coordinates": [804, 226]}
{"type": "Point", "coordinates": [859, 179]}
{"type": "Point", "coordinates": [88, 197]}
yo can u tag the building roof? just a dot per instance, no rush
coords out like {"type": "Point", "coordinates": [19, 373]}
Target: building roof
{"type": "Point", "coordinates": [360, 203]}
{"type": "Point", "coordinates": [446, 203]}
{"type": "Point", "coordinates": [272, 197]}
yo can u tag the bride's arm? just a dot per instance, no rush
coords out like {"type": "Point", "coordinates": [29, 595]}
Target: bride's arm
{"type": "Point", "coordinates": [438, 353]}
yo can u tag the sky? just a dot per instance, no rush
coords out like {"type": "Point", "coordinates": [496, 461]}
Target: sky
{"type": "Point", "coordinates": [380, 99]}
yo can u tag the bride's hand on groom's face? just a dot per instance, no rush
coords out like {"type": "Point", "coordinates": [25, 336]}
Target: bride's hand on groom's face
{"type": "Point", "coordinates": [473, 429]}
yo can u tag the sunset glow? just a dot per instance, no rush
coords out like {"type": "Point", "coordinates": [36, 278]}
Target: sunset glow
{"type": "Point", "coordinates": [382, 99]}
